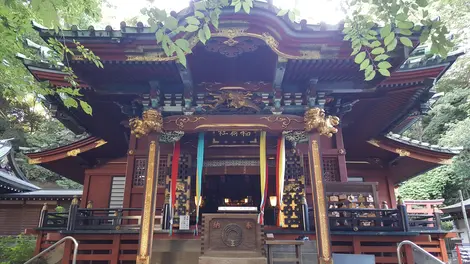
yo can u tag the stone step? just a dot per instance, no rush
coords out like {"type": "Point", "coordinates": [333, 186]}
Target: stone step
{"type": "Point", "coordinates": [222, 260]}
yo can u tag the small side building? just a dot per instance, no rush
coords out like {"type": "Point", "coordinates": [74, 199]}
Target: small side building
{"type": "Point", "coordinates": [455, 212]}
{"type": "Point", "coordinates": [20, 200]}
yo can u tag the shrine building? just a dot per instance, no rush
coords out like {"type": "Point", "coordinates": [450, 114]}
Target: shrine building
{"type": "Point", "coordinates": [269, 134]}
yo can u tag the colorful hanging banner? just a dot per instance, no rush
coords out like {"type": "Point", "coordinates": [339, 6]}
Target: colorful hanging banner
{"type": "Point", "coordinates": [199, 166]}
{"type": "Point", "coordinates": [280, 172]}
{"type": "Point", "coordinates": [174, 179]}
{"type": "Point", "coordinates": [263, 174]}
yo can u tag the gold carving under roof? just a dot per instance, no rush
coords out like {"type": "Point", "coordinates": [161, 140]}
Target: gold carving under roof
{"type": "Point", "coordinates": [234, 99]}
{"type": "Point", "coordinates": [374, 142]}
{"type": "Point", "coordinates": [73, 152]}
{"type": "Point", "coordinates": [35, 161]}
{"type": "Point", "coordinates": [181, 121]}
{"type": "Point", "coordinates": [315, 119]}
{"type": "Point", "coordinates": [284, 120]}
{"type": "Point", "coordinates": [100, 143]}
{"type": "Point", "coordinates": [152, 121]}
{"type": "Point", "coordinates": [402, 152]}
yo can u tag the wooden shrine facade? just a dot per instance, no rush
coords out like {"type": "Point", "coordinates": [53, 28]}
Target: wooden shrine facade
{"type": "Point", "coordinates": [264, 95]}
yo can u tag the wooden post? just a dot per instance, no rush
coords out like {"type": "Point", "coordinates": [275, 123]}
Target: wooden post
{"type": "Point", "coordinates": [150, 199]}
{"type": "Point", "coordinates": [43, 216]}
{"type": "Point", "coordinates": [322, 228]}
{"type": "Point", "coordinates": [316, 125]}
{"type": "Point", "coordinates": [72, 214]}
{"type": "Point", "coordinates": [403, 215]}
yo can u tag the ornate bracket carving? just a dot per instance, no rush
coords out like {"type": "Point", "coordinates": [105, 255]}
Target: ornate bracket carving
{"type": "Point", "coordinates": [315, 119]}
{"type": "Point", "coordinates": [152, 121]}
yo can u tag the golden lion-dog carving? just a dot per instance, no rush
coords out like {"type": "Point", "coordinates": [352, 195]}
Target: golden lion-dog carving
{"type": "Point", "coordinates": [233, 99]}
{"type": "Point", "coordinates": [314, 118]}
{"type": "Point", "coordinates": [152, 121]}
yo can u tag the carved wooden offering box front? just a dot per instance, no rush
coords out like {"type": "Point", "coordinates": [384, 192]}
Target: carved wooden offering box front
{"type": "Point", "coordinates": [231, 236]}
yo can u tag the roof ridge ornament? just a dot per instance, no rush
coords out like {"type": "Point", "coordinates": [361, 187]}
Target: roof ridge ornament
{"type": "Point", "coordinates": [152, 121]}
{"type": "Point", "coordinates": [315, 119]}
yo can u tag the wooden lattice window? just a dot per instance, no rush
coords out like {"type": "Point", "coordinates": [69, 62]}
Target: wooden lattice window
{"type": "Point", "coordinates": [294, 169]}
{"type": "Point", "coordinates": [330, 169]}
{"type": "Point", "coordinates": [140, 167]}
{"type": "Point", "coordinates": [140, 171]}
{"type": "Point", "coordinates": [163, 170]}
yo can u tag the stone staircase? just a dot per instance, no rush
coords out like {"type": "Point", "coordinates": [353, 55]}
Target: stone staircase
{"type": "Point", "coordinates": [176, 251]}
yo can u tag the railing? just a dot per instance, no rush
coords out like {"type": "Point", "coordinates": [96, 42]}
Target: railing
{"type": "Point", "coordinates": [75, 250]}
{"type": "Point", "coordinates": [78, 219]}
{"type": "Point", "coordinates": [428, 257]}
{"type": "Point", "coordinates": [366, 220]}
{"type": "Point", "coordinates": [348, 220]}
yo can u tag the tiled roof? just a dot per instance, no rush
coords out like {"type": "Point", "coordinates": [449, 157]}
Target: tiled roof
{"type": "Point", "coordinates": [65, 193]}
{"type": "Point", "coordinates": [424, 145]}
{"type": "Point", "coordinates": [456, 207]}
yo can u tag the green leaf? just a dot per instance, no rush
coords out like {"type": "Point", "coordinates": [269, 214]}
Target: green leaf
{"type": "Point", "coordinates": [360, 57]}
{"type": "Point", "coordinates": [207, 31]}
{"type": "Point", "coordinates": [193, 20]}
{"type": "Point", "coordinates": [171, 23]}
{"type": "Point", "coordinates": [384, 65]}
{"type": "Point", "coordinates": [392, 45]}
{"type": "Point", "coordinates": [405, 25]}
{"type": "Point", "coordinates": [181, 56]}
{"type": "Point", "coordinates": [199, 14]}
{"type": "Point", "coordinates": [422, 3]}
{"type": "Point", "coordinates": [246, 7]}
{"type": "Point", "coordinates": [355, 51]}
{"type": "Point", "coordinates": [417, 28]}
{"type": "Point", "coordinates": [70, 102]}
{"type": "Point", "coordinates": [215, 20]}
{"type": "Point", "coordinates": [238, 6]}
{"type": "Point", "coordinates": [406, 41]}
{"type": "Point", "coordinates": [434, 48]}
{"type": "Point", "coordinates": [424, 36]}
{"type": "Point", "coordinates": [369, 75]}
{"type": "Point", "coordinates": [401, 17]}
{"type": "Point", "coordinates": [282, 12]}
{"type": "Point", "coordinates": [86, 107]}
{"type": "Point", "coordinates": [373, 32]}
{"type": "Point", "coordinates": [201, 35]}
{"type": "Point", "coordinates": [381, 57]}
{"type": "Point", "coordinates": [291, 16]}
{"type": "Point", "coordinates": [183, 44]}
{"type": "Point", "coordinates": [191, 28]}
{"type": "Point", "coordinates": [384, 72]}
{"type": "Point", "coordinates": [378, 51]}
{"type": "Point", "coordinates": [199, 5]}
{"type": "Point", "coordinates": [389, 38]}
{"type": "Point", "coordinates": [159, 35]}
{"type": "Point", "coordinates": [375, 44]}
{"type": "Point", "coordinates": [364, 64]}
{"type": "Point", "coordinates": [369, 69]}
{"type": "Point", "coordinates": [406, 32]}
{"type": "Point", "coordinates": [235, 2]}
{"type": "Point", "coordinates": [385, 31]}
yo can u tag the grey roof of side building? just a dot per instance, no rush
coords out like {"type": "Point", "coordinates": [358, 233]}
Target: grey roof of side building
{"type": "Point", "coordinates": [423, 145]}
{"type": "Point", "coordinates": [59, 193]}
{"type": "Point", "coordinates": [456, 207]}
{"type": "Point", "coordinates": [8, 179]}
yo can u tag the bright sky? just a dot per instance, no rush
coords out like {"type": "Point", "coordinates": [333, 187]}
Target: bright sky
{"type": "Point", "coordinates": [315, 11]}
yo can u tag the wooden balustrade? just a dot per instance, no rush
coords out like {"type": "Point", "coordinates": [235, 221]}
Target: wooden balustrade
{"type": "Point", "coordinates": [348, 220]}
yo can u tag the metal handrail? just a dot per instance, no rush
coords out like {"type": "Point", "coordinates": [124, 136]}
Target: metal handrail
{"type": "Point", "coordinates": [75, 250]}
{"type": "Point", "coordinates": [420, 249]}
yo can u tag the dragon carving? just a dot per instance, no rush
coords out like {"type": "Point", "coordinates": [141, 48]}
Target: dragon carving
{"type": "Point", "coordinates": [315, 119]}
{"type": "Point", "coordinates": [152, 121]}
{"type": "Point", "coordinates": [233, 99]}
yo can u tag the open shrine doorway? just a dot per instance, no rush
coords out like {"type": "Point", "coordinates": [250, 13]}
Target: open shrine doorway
{"type": "Point", "coordinates": [221, 193]}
